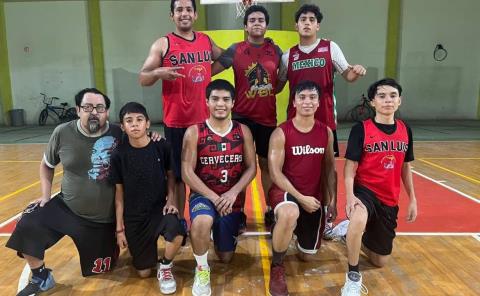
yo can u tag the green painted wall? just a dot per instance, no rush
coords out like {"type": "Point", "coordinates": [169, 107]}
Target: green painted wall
{"type": "Point", "coordinates": [5, 85]}
{"type": "Point", "coordinates": [287, 15]}
{"type": "Point", "coordinates": [96, 44]}
{"type": "Point", "coordinates": [393, 38]}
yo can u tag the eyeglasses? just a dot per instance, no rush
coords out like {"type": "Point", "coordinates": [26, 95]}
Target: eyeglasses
{"type": "Point", "coordinates": [89, 108]}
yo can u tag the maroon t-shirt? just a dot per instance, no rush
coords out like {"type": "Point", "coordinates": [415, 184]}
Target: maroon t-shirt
{"type": "Point", "coordinates": [220, 159]}
{"type": "Point", "coordinates": [255, 68]}
{"type": "Point", "coordinates": [316, 66]}
{"type": "Point", "coordinates": [304, 154]}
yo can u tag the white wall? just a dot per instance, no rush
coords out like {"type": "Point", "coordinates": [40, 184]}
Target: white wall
{"type": "Point", "coordinates": [129, 28]}
{"type": "Point", "coordinates": [48, 52]}
{"type": "Point", "coordinates": [447, 89]}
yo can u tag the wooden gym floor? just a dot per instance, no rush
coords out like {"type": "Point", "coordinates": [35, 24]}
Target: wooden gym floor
{"type": "Point", "coordinates": [437, 255]}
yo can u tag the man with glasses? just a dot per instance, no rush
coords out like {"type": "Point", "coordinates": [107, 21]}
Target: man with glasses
{"type": "Point", "coordinates": [84, 209]}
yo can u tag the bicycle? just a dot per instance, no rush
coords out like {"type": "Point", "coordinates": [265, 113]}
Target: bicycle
{"type": "Point", "coordinates": [63, 113]}
{"type": "Point", "coordinates": [361, 111]}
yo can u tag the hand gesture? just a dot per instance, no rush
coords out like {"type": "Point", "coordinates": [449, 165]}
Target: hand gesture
{"type": "Point", "coordinates": [358, 69]}
{"type": "Point", "coordinates": [122, 240]}
{"type": "Point", "coordinates": [309, 203]}
{"type": "Point", "coordinates": [42, 201]}
{"type": "Point", "coordinates": [170, 73]}
{"type": "Point", "coordinates": [155, 136]}
{"type": "Point", "coordinates": [225, 203]}
{"type": "Point", "coordinates": [331, 212]}
{"type": "Point", "coordinates": [412, 211]}
{"type": "Point", "coordinates": [170, 209]}
{"type": "Point", "coordinates": [352, 201]}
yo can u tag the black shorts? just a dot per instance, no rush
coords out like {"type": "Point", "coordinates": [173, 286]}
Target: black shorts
{"type": "Point", "coordinates": [260, 133]}
{"type": "Point", "coordinates": [40, 228]}
{"type": "Point", "coordinates": [174, 135]}
{"type": "Point", "coordinates": [142, 237]}
{"type": "Point", "coordinates": [381, 223]}
{"type": "Point", "coordinates": [309, 227]}
{"type": "Point", "coordinates": [336, 151]}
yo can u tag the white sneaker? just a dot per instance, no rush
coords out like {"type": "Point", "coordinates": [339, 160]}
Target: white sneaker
{"type": "Point", "coordinates": [340, 229]}
{"type": "Point", "coordinates": [166, 281]}
{"type": "Point", "coordinates": [353, 285]}
{"type": "Point", "coordinates": [201, 282]}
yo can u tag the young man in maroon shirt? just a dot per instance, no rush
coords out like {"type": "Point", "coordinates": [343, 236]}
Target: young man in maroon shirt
{"type": "Point", "coordinates": [378, 156]}
{"type": "Point", "coordinates": [255, 64]}
{"type": "Point", "coordinates": [300, 159]}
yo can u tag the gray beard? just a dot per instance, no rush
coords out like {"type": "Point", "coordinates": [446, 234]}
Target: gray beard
{"type": "Point", "coordinates": [93, 126]}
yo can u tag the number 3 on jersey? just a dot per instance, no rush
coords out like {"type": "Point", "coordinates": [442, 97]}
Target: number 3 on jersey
{"type": "Point", "coordinates": [224, 176]}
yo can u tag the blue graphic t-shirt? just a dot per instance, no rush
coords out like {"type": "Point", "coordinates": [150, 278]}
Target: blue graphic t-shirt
{"type": "Point", "coordinates": [86, 164]}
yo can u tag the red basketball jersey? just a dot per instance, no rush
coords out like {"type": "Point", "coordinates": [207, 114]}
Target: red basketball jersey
{"type": "Point", "coordinates": [304, 153]}
{"type": "Point", "coordinates": [316, 66]}
{"type": "Point", "coordinates": [184, 98]}
{"type": "Point", "coordinates": [255, 70]}
{"type": "Point", "coordinates": [220, 159]}
{"type": "Point", "coordinates": [380, 168]}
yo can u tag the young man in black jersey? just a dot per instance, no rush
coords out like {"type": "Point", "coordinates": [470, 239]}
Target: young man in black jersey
{"type": "Point", "coordinates": [378, 155]}
{"type": "Point", "coordinates": [142, 172]}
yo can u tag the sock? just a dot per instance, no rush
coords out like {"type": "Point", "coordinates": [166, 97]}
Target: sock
{"type": "Point", "coordinates": [202, 260]}
{"type": "Point", "coordinates": [165, 261]}
{"type": "Point", "coordinates": [277, 258]}
{"type": "Point", "coordinates": [353, 268]}
{"type": "Point", "coordinates": [40, 272]}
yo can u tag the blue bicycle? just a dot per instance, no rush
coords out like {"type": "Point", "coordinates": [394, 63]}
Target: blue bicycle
{"type": "Point", "coordinates": [63, 113]}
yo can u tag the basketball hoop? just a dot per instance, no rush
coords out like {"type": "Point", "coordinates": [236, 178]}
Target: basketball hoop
{"type": "Point", "coordinates": [243, 5]}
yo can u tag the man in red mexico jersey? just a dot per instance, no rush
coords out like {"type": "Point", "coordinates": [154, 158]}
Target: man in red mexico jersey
{"type": "Point", "coordinates": [255, 65]}
{"type": "Point", "coordinates": [317, 60]}
{"type": "Point", "coordinates": [182, 60]}
{"type": "Point", "coordinates": [218, 162]}
{"type": "Point", "coordinates": [302, 167]}
{"type": "Point", "coordinates": [378, 156]}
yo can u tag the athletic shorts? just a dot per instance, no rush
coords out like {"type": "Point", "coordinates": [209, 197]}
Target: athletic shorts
{"type": "Point", "coordinates": [381, 224]}
{"type": "Point", "coordinates": [225, 229]}
{"type": "Point", "coordinates": [336, 151]}
{"type": "Point", "coordinates": [260, 133]}
{"type": "Point", "coordinates": [174, 135]}
{"type": "Point", "coordinates": [40, 228]}
{"type": "Point", "coordinates": [142, 237]}
{"type": "Point", "coordinates": [309, 227]}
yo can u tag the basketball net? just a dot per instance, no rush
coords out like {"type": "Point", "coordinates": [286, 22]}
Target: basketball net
{"type": "Point", "coordinates": [243, 5]}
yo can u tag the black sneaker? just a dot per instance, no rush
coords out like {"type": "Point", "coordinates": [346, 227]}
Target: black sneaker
{"type": "Point", "coordinates": [37, 285]}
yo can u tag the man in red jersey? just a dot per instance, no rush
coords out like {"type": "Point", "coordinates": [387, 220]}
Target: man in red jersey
{"type": "Point", "coordinates": [317, 60]}
{"type": "Point", "coordinates": [218, 162]}
{"type": "Point", "coordinates": [378, 156]}
{"type": "Point", "coordinates": [255, 65]}
{"type": "Point", "coordinates": [182, 60]}
{"type": "Point", "coordinates": [300, 158]}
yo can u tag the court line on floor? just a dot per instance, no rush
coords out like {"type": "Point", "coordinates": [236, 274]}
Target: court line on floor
{"type": "Point", "coordinates": [451, 158]}
{"type": "Point", "coordinates": [24, 276]}
{"type": "Point", "coordinates": [20, 161]}
{"type": "Point", "coordinates": [438, 233]}
{"type": "Point", "coordinates": [450, 171]}
{"type": "Point", "coordinates": [448, 187]}
{"type": "Point", "coordinates": [2, 198]}
{"type": "Point", "coordinates": [264, 253]}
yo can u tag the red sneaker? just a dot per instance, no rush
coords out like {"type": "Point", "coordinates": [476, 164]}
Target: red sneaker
{"type": "Point", "coordinates": [278, 283]}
